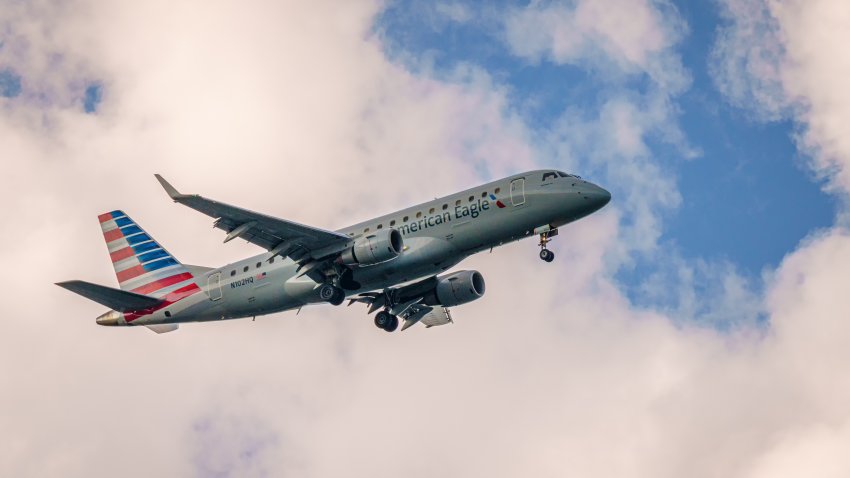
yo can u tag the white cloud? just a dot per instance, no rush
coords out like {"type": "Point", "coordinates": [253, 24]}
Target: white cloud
{"type": "Point", "coordinates": [785, 59]}
{"type": "Point", "coordinates": [745, 59]}
{"type": "Point", "coordinates": [294, 110]}
{"type": "Point", "coordinates": [619, 36]}
{"type": "Point", "coordinates": [456, 12]}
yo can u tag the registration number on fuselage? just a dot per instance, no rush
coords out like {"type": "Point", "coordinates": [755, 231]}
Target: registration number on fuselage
{"type": "Point", "coordinates": [240, 283]}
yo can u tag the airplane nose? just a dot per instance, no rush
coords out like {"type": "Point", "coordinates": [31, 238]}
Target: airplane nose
{"type": "Point", "coordinates": [597, 197]}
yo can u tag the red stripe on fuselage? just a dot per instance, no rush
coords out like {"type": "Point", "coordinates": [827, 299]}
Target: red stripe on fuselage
{"type": "Point", "coordinates": [126, 274]}
{"type": "Point", "coordinates": [112, 235]}
{"type": "Point", "coordinates": [182, 293]}
{"type": "Point", "coordinates": [171, 298]}
{"type": "Point", "coordinates": [122, 254]}
{"type": "Point", "coordinates": [156, 285]}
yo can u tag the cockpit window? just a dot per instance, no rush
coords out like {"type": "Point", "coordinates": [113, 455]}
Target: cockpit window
{"type": "Point", "coordinates": [549, 175]}
{"type": "Point", "coordinates": [563, 174]}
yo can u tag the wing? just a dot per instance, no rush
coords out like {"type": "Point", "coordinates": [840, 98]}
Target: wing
{"type": "Point", "coordinates": [303, 244]}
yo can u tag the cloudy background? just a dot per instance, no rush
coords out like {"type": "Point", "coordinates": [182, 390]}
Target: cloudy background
{"type": "Point", "coordinates": [697, 326]}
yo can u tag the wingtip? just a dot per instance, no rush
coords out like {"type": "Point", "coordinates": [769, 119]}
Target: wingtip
{"type": "Point", "coordinates": [172, 192]}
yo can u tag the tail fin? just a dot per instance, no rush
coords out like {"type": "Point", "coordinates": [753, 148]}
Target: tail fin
{"type": "Point", "coordinates": [141, 264]}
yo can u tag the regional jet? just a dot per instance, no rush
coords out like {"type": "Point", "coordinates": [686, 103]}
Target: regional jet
{"type": "Point", "coordinates": [395, 264]}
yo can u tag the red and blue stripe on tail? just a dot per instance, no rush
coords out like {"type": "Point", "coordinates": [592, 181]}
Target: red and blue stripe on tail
{"type": "Point", "coordinates": [141, 264]}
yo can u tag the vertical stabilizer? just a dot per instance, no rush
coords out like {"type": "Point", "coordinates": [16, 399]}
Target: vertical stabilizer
{"type": "Point", "coordinates": [141, 264]}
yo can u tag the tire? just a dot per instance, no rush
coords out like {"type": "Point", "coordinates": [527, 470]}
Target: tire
{"type": "Point", "coordinates": [392, 325]}
{"type": "Point", "coordinates": [338, 297]}
{"type": "Point", "coordinates": [547, 255]}
{"type": "Point", "coordinates": [326, 292]}
{"type": "Point", "coordinates": [382, 319]}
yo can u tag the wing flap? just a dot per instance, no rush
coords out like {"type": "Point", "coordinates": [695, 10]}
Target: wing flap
{"type": "Point", "coordinates": [115, 299]}
{"type": "Point", "coordinates": [436, 317]}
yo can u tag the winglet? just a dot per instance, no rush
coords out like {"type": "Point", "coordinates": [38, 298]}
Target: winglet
{"type": "Point", "coordinates": [172, 192]}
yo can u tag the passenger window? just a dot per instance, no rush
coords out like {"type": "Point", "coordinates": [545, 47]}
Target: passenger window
{"type": "Point", "coordinates": [550, 175]}
{"type": "Point", "coordinates": [471, 198]}
{"type": "Point", "coordinates": [233, 273]}
{"type": "Point", "coordinates": [457, 203]}
{"type": "Point", "coordinates": [496, 191]}
{"type": "Point", "coordinates": [380, 226]}
{"type": "Point", "coordinates": [392, 223]}
{"type": "Point", "coordinates": [431, 211]}
{"type": "Point", "coordinates": [245, 269]}
{"type": "Point", "coordinates": [484, 194]}
{"type": "Point", "coordinates": [404, 219]}
{"type": "Point", "coordinates": [167, 313]}
{"type": "Point", "coordinates": [259, 264]}
{"type": "Point", "coordinates": [271, 260]}
{"type": "Point", "coordinates": [445, 206]}
{"type": "Point", "coordinates": [366, 230]}
{"type": "Point", "coordinates": [418, 215]}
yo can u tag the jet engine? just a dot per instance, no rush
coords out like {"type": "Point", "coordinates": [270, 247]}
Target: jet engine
{"type": "Point", "coordinates": [459, 288]}
{"type": "Point", "coordinates": [376, 248]}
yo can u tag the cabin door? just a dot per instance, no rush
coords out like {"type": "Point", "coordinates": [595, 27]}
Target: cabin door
{"type": "Point", "coordinates": [518, 192]}
{"type": "Point", "coordinates": [214, 290]}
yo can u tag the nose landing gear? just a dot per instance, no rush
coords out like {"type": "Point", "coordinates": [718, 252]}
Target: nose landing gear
{"type": "Point", "coordinates": [545, 237]}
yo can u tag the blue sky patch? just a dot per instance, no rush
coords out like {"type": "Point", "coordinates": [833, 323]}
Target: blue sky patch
{"type": "Point", "coordinates": [10, 83]}
{"type": "Point", "coordinates": [92, 98]}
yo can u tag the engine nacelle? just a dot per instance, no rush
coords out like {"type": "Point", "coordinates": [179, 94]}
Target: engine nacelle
{"type": "Point", "coordinates": [459, 288]}
{"type": "Point", "coordinates": [376, 248]}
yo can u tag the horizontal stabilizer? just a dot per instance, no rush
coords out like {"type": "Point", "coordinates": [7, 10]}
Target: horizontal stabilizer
{"type": "Point", "coordinates": [163, 328]}
{"type": "Point", "coordinates": [115, 299]}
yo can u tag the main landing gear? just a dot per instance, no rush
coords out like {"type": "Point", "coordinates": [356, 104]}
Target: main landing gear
{"type": "Point", "coordinates": [332, 294]}
{"type": "Point", "coordinates": [385, 320]}
{"type": "Point", "coordinates": [545, 237]}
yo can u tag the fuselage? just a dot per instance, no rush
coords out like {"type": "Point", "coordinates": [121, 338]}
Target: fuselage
{"type": "Point", "coordinates": [437, 235]}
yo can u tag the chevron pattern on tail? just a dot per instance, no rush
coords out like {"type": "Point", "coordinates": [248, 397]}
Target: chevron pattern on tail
{"type": "Point", "coordinates": [141, 264]}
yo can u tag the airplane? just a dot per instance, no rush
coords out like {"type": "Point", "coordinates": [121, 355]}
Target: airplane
{"type": "Point", "coordinates": [395, 264]}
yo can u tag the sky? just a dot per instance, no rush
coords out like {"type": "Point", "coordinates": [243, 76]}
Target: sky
{"type": "Point", "coordinates": [696, 326]}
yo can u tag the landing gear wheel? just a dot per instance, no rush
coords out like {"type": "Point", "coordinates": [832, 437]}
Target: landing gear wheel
{"type": "Point", "coordinates": [382, 319]}
{"type": "Point", "coordinates": [338, 297]}
{"type": "Point", "coordinates": [545, 237]}
{"type": "Point", "coordinates": [326, 292]}
{"type": "Point", "coordinates": [385, 320]}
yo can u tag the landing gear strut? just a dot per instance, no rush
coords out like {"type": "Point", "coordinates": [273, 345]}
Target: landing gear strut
{"type": "Point", "coordinates": [546, 254]}
{"type": "Point", "coordinates": [385, 320]}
